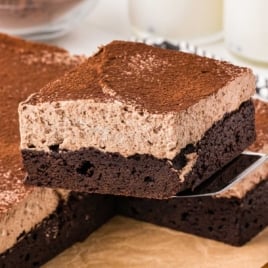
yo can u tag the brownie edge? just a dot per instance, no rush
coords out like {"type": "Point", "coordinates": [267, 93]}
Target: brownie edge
{"type": "Point", "coordinates": [233, 220]}
{"type": "Point", "coordinates": [72, 222]}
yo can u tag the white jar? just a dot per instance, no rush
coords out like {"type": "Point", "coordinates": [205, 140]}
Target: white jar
{"type": "Point", "coordinates": [246, 28]}
{"type": "Point", "coordinates": [176, 19]}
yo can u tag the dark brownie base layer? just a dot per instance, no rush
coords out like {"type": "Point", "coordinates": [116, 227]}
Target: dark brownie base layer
{"type": "Point", "coordinates": [231, 220]}
{"type": "Point", "coordinates": [70, 223]}
{"type": "Point", "coordinates": [90, 170]}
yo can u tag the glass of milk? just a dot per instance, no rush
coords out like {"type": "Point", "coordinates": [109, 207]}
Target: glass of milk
{"type": "Point", "coordinates": [176, 20]}
{"type": "Point", "coordinates": [246, 28]}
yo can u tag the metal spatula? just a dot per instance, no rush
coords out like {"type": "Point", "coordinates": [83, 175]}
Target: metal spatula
{"type": "Point", "coordinates": [244, 165]}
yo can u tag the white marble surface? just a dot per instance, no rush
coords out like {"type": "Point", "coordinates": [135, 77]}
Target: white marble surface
{"type": "Point", "coordinates": [109, 21]}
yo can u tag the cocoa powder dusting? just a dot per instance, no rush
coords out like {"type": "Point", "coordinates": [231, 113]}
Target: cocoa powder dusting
{"type": "Point", "coordinates": [24, 68]}
{"type": "Point", "coordinates": [154, 79]}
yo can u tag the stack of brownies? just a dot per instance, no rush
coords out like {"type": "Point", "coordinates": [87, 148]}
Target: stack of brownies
{"type": "Point", "coordinates": [124, 131]}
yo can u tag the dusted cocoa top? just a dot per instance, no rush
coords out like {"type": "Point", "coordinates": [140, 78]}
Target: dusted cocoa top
{"type": "Point", "coordinates": [155, 79]}
{"type": "Point", "coordinates": [24, 68]}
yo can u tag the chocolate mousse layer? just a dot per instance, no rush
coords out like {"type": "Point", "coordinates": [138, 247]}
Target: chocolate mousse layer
{"type": "Point", "coordinates": [26, 212]}
{"type": "Point", "coordinates": [234, 216]}
{"type": "Point", "coordinates": [132, 119]}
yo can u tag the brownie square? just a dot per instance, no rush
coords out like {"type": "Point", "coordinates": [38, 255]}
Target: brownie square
{"type": "Point", "coordinates": [139, 121]}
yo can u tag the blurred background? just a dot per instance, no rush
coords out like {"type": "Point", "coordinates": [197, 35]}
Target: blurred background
{"type": "Point", "coordinates": [233, 30]}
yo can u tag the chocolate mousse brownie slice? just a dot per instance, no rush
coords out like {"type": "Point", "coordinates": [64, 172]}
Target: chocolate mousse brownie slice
{"type": "Point", "coordinates": [136, 120]}
{"type": "Point", "coordinates": [35, 223]}
{"type": "Point", "coordinates": [234, 216]}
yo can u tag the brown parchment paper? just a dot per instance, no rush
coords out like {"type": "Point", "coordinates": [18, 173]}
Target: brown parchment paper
{"type": "Point", "coordinates": [124, 242]}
